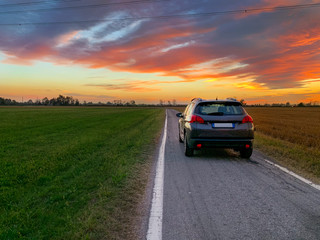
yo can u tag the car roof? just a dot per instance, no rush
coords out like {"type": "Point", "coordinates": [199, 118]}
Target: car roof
{"type": "Point", "coordinates": [215, 100]}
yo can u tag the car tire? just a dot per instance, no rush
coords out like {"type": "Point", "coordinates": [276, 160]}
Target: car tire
{"type": "Point", "coordinates": [187, 150]}
{"type": "Point", "coordinates": [180, 139]}
{"type": "Point", "coordinates": [246, 153]}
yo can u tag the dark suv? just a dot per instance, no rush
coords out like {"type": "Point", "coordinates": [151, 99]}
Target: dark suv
{"type": "Point", "coordinates": [216, 124]}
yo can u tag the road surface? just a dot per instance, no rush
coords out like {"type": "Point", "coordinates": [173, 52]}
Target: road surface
{"type": "Point", "coordinates": [218, 195]}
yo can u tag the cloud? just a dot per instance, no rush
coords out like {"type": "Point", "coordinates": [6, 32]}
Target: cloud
{"type": "Point", "coordinates": [283, 98]}
{"type": "Point", "coordinates": [130, 87]}
{"type": "Point", "coordinates": [273, 49]}
{"type": "Point", "coordinates": [74, 94]}
{"type": "Point", "coordinates": [134, 85]}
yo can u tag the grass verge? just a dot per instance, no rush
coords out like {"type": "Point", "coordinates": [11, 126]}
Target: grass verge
{"type": "Point", "coordinates": [297, 158]}
{"type": "Point", "coordinates": [74, 173]}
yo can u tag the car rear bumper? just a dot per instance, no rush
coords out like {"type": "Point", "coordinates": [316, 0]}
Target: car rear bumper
{"type": "Point", "coordinates": [220, 143]}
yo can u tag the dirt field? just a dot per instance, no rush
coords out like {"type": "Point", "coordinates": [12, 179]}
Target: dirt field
{"type": "Point", "coordinates": [300, 125]}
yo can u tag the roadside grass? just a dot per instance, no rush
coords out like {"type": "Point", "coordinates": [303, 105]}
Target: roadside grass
{"type": "Point", "coordinates": [179, 109]}
{"type": "Point", "coordinates": [291, 136]}
{"type": "Point", "coordinates": [299, 159]}
{"type": "Point", "coordinates": [73, 173]}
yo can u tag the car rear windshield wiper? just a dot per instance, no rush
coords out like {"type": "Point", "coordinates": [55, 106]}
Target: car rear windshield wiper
{"type": "Point", "coordinates": [216, 113]}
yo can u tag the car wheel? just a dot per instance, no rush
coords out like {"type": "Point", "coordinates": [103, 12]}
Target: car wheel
{"type": "Point", "coordinates": [180, 139]}
{"type": "Point", "coordinates": [246, 153]}
{"type": "Point", "coordinates": [187, 150]}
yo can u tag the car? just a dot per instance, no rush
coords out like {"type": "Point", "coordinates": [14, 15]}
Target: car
{"type": "Point", "coordinates": [216, 124]}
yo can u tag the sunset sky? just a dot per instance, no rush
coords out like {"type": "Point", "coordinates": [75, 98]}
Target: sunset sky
{"type": "Point", "coordinates": [147, 50]}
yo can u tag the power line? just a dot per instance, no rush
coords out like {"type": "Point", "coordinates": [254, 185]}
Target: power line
{"type": "Point", "coordinates": [81, 6]}
{"type": "Point", "coordinates": [243, 11]}
{"type": "Point", "coordinates": [35, 2]}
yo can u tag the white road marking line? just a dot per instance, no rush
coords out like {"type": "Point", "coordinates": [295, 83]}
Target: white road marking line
{"type": "Point", "coordinates": [155, 219]}
{"type": "Point", "coordinates": [294, 175]}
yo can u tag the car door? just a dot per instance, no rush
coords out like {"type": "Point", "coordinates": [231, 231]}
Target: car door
{"type": "Point", "coordinates": [186, 119]}
{"type": "Point", "coordinates": [182, 121]}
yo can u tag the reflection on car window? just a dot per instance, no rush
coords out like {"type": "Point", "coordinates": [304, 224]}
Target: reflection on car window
{"type": "Point", "coordinates": [190, 109]}
{"type": "Point", "coordinates": [186, 110]}
{"type": "Point", "coordinates": [222, 108]}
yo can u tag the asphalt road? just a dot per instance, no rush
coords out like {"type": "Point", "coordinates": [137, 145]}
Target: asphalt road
{"type": "Point", "coordinates": [218, 195]}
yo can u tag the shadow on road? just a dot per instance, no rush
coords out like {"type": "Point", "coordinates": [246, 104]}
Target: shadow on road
{"type": "Point", "coordinates": [221, 155]}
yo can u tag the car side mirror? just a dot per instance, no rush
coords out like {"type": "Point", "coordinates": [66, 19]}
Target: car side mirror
{"type": "Point", "coordinates": [180, 115]}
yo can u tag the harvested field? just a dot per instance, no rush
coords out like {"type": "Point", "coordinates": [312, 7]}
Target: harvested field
{"type": "Point", "coordinates": [291, 136]}
{"type": "Point", "coordinates": [300, 125]}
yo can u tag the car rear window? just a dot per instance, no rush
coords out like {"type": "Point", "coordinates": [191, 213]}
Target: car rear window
{"type": "Point", "coordinates": [214, 108]}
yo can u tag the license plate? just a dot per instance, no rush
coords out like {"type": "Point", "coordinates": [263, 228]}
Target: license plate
{"type": "Point", "coordinates": [223, 125]}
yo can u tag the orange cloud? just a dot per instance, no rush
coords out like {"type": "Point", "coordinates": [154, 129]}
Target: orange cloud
{"type": "Point", "coordinates": [26, 54]}
{"type": "Point", "coordinates": [260, 49]}
{"type": "Point", "coordinates": [250, 86]}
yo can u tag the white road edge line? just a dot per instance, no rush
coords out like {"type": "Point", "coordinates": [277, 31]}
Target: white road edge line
{"type": "Point", "coordinates": [294, 175]}
{"type": "Point", "coordinates": [155, 219]}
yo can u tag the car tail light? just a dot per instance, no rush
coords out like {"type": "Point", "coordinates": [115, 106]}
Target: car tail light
{"type": "Point", "coordinates": [199, 145]}
{"type": "Point", "coordinates": [196, 119]}
{"type": "Point", "coordinates": [247, 119]}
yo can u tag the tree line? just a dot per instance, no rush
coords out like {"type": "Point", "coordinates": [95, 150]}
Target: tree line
{"type": "Point", "coordinates": [288, 104]}
{"type": "Point", "coordinates": [59, 101]}
{"type": "Point", "coordinates": [66, 101]}
{"type": "Point", "coordinates": [70, 101]}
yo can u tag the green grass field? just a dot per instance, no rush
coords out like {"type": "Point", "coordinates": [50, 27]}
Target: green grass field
{"type": "Point", "coordinates": [72, 173]}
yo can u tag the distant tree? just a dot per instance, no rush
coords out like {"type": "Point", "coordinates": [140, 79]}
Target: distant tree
{"type": "Point", "coordinates": [242, 101]}
{"type": "Point", "coordinates": [68, 101]}
{"type": "Point", "coordinates": [288, 104]}
{"type": "Point", "coordinates": [62, 100]}
{"type": "Point", "coordinates": [45, 101]}
{"type": "Point", "coordinates": [30, 102]}
{"type": "Point", "coordinates": [132, 102]}
{"type": "Point", "coordinates": [117, 102]}
{"type": "Point", "coordinates": [300, 104]}
{"type": "Point", "coordinates": [7, 101]}
{"type": "Point", "coordinates": [174, 102]}
{"type": "Point", "coordinates": [309, 104]}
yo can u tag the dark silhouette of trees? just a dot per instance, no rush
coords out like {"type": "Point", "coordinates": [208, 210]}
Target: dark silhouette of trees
{"type": "Point", "coordinates": [45, 101]}
{"type": "Point", "coordinates": [7, 101]}
{"type": "Point", "coordinates": [70, 101]}
{"type": "Point", "coordinates": [59, 101]}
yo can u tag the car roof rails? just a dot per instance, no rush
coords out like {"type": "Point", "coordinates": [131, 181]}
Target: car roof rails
{"type": "Point", "coordinates": [197, 99]}
{"type": "Point", "coordinates": [232, 99]}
